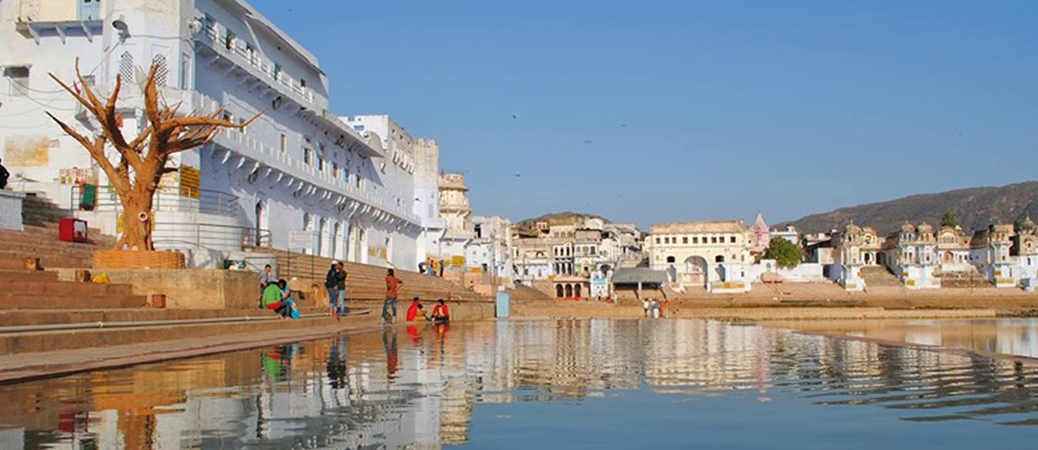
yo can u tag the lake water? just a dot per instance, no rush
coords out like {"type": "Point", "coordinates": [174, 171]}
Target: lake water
{"type": "Point", "coordinates": [541, 384]}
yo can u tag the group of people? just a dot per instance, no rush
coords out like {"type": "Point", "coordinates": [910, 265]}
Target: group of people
{"type": "Point", "coordinates": [335, 283]}
{"type": "Point", "coordinates": [276, 295]}
{"type": "Point", "coordinates": [441, 314]}
{"type": "Point", "coordinates": [431, 267]}
{"type": "Point", "coordinates": [653, 308]}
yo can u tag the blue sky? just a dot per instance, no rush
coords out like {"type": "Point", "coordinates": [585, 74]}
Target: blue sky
{"type": "Point", "coordinates": [659, 111]}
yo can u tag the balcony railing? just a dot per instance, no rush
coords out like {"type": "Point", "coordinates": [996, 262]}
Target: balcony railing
{"type": "Point", "coordinates": [168, 198]}
{"type": "Point", "coordinates": [250, 58]}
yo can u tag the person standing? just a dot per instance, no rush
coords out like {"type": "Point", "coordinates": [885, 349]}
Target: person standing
{"type": "Point", "coordinates": [329, 284]}
{"type": "Point", "coordinates": [266, 278]}
{"type": "Point", "coordinates": [4, 175]}
{"type": "Point", "coordinates": [392, 291]}
{"type": "Point", "coordinates": [340, 289]}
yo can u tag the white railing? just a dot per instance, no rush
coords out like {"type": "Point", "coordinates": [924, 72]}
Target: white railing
{"type": "Point", "coordinates": [247, 58]}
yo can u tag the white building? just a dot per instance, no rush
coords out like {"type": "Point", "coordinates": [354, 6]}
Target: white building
{"type": "Point", "coordinates": [366, 195]}
{"type": "Point", "coordinates": [700, 253]}
{"type": "Point", "coordinates": [490, 249]}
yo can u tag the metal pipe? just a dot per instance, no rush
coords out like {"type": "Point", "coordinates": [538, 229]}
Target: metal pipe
{"type": "Point", "coordinates": [145, 323]}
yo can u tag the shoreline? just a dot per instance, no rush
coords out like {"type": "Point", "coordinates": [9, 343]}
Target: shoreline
{"type": "Point", "coordinates": [30, 366]}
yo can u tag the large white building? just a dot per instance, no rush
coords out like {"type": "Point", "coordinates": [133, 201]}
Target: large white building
{"type": "Point", "coordinates": [365, 189]}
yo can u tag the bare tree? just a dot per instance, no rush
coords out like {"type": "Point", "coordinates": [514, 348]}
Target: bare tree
{"type": "Point", "coordinates": [142, 161]}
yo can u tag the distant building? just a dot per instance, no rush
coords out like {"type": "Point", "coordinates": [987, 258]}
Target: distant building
{"type": "Point", "coordinates": [848, 257]}
{"type": "Point", "coordinates": [761, 235]}
{"type": "Point", "coordinates": [912, 256]}
{"type": "Point", "coordinates": [789, 233]}
{"type": "Point", "coordinates": [457, 218]}
{"type": "Point", "coordinates": [694, 253]}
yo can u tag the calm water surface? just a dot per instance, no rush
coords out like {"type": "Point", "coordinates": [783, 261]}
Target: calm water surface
{"type": "Point", "coordinates": [541, 384]}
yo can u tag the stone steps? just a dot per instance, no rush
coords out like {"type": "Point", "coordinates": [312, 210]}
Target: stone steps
{"type": "Point", "coordinates": [45, 287]}
{"type": "Point", "coordinates": [9, 318]}
{"type": "Point", "coordinates": [366, 282]}
{"type": "Point", "coordinates": [71, 301]}
{"type": "Point", "coordinates": [42, 341]}
{"type": "Point", "coordinates": [876, 276]}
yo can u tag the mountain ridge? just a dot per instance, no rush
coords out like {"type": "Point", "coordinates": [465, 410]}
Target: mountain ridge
{"type": "Point", "coordinates": [975, 208]}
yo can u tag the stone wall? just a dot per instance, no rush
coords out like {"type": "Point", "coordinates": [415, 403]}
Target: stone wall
{"type": "Point", "coordinates": [189, 288]}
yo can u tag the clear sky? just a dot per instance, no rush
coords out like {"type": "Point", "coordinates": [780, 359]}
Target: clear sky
{"type": "Point", "coordinates": [656, 111]}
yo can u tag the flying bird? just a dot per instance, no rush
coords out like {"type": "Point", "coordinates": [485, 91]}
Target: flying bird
{"type": "Point", "coordinates": [514, 116]}
{"type": "Point", "coordinates": [587, 141]}
{"type": "Point", "coordinates": [517, 175]}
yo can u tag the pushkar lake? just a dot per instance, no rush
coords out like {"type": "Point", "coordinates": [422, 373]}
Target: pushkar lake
{"type": "Point", "coordinates": [545, 384]}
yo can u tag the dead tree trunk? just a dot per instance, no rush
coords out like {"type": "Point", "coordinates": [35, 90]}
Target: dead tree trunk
{"type": "Point", "coordinates": [142, 161]}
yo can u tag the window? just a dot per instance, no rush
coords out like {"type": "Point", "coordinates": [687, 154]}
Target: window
{"type": "Point", "coordinates": [335, 169]}
{"type": "Point", "coordinates": [657, 241]}
{"type": "Point", "coordinates": [308, 157]}
{"type": "Point", "coordinates": [277, 71]}
{"type": "Point", "coordinates": [358, 127]}
{"type": "Point", "coordinates": [284, 142]}
{"type": "Point", "coordinates": [713, 239]}
{"type": "Point", "coordinates": [320, 164]}
{"type": "Point", "coordinates": [733, 240]}
{"type": "Point", "coordinates": [302, 83]}
{"type": "Point", "coordinates": [592, 250]}
{"type": "Point", "coordinates": [695, 240]}
{"type": "Point", "coordinates": [671, 259]}
{"type": "Point", "coordinates": [185, 72]}
{"type": "Point", "coordinates": [18, 77]}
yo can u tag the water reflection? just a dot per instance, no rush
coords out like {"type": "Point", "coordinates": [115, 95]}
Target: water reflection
{"type": "Point", "coordinates": [1016, 337]}
{"type": "Point", "coordinates": [427, 387]}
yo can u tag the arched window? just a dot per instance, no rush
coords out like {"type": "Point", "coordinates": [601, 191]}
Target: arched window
{"type": "Point", "coordinates": [671, 259]}
{"type": "Point", "coordinates": [558, 291]}
{"type": "Point", "coordinates": [719, 258]}
{"type": "Point", "coordinates": [576, 291]}
{"type": "Point", "coordinates": [569, 291]}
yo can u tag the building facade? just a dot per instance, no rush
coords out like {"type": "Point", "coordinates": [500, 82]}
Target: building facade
{"type": "Point", "coordinates": [299, 169]}
{"type": "Point", "coordinates": [696, 253]}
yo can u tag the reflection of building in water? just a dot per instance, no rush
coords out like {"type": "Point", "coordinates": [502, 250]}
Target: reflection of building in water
{"type": "Point", "coordinates": [341, 393]}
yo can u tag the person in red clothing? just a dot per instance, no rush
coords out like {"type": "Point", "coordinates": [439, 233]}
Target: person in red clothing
{"type": "Point", "coordinates": [392, 290]}
{"type": "Point", "coordinates": [414, 312]}
{"type": "Point", "coordinates": [441, 314]}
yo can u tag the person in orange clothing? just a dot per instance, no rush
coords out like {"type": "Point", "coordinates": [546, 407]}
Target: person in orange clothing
{"type": "Point", "coordinates": [392, 289]}
{"type": "Point", "coordinates": [414, 312]}
{"type": "Point", "coordinates": [441, 313]}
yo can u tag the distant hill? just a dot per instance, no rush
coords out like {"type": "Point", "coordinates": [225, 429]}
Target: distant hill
{"type": "Point", "coordinates": [974, 208]}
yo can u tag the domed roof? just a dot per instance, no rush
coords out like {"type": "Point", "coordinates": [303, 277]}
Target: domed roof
{"type": "Point", "coordinates": [925, 228]}
{"type": "Point", "coordinates": [907, 227]}
{"type": "Point", "coordinates": [1028, 225]}
{"type": "Point", "coordinates": [852, 228]}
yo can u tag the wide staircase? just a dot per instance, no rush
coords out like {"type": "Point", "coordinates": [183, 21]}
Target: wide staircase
{"type": "Point", "coordinates": [876, 276]}
{"type": "Point", "coordinates": [39, 312]}
{"type": "Point", "coordinates": [964, 279]}
{"type": "Point", "coordinates": [525, 294]}
{"type": "Point", "coordinates": [365, 282]}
